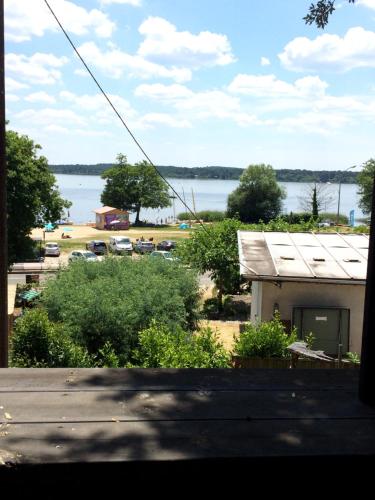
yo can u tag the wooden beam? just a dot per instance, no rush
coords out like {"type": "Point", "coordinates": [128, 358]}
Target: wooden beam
{"type": "Point", "coordinates": [367, 369]}
{"type": "Point", "coordinates": [3, 209]}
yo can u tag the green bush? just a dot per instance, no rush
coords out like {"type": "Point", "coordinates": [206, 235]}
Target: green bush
{"type": "Point", "coordinates": [160, 347]}
{"type": "Point", "coordinates": [37, 342]}
{"type": "Point", "coordinates": [111, 301]}
{"type": "Point", "coordinates": [343, 219]}
{"type": "Point", "coordinates": [266, 340]}
{"type": "Point", "coordinates": [204, 215]}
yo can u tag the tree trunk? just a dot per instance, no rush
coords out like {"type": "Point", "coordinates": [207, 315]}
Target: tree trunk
{"type": "Point", "coordinates": [138, 209]}
{"type": "Point", "coordinates": [220, 300]}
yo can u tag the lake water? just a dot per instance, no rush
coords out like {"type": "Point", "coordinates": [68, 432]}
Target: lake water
{"type": "Point", "coordinates": [84, 192]}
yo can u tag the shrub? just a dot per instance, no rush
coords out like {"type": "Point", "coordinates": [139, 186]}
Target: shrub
{"type": "Point", "coordinates": [111, 301]}
{"type": "Point", "coordinates": [266, 340]}
{"type": "Point", "coordinates": [160, 347]}
{"type": "Point", "coordinates": [204, 215]}
{"type": "Point", "coordinates": [353, 357]}
{"type": "Point", "coordinates": [37, 342]}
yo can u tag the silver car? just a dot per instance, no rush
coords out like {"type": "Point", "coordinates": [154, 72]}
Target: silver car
{"type": "Point", "coordinates": [52, 249]}
{"type": "Point", "coordinates": [82, 254]}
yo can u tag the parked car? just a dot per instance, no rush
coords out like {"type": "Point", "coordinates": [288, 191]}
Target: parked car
{"type": "Point", "coordinates": [98, 247]}
{"type": "Point", "coordinates": [51, 249]}
{"type": "Point", "coordinates": [120, 245]}
{"type": "Point", "coordinates": [163, 254]}
{"type": "Point", "coordinates": [166, 245]}
{"type": "Point", "coordinates": [82, 254]}
{"type": "Point", "coordinates": [144, 247]}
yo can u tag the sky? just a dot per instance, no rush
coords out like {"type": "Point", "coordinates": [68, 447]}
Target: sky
{"type": "Point", "coordinates": [198, 82]}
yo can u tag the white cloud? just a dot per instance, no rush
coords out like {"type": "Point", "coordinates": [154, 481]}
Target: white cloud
{"type": "Point", "coordinates": [49, 116]}
{"type": "Point", "coordinates": [98, 103]}
{"type": "Point", "coordinates": [155, 119]}
{"type": "Point", "coordinates": [264, 61]}
{"type": "Point", "coordinates": [356, 49]}
{"type": "Point", "coordinates": [134, 3]}
{"type": "Point", "coordinates": [367, 3]}
{"type": "Point", "coordinates": [40, 97]}
{"type": "Point", "coordinates": [165, 45]}
{"type": "Point", "coordinates": [12, 85]}
{"type": "Point", "coordinates": [197, 105]}
{"type": "Point", "coordinates": [38, 68]}
{"type": "Point", "coordinates": [23, 22]}
{"type": "Point", "coordinates": [115, 63]}
{"type": "Point", "coordinates": [318, 123]}
{"type": "Point", "coordinates": [269, 86]}
{"type": "Point", "coordinates": [162, 92]}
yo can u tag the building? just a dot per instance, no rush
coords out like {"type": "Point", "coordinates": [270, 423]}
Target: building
{"type": "Point", "coordinates": [111, 218]}
{"type": "Point", "coordinates": [315, 280]}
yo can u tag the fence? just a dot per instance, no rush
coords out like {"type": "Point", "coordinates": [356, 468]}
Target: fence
{"type": "Point", "coordinates": [241, 362]}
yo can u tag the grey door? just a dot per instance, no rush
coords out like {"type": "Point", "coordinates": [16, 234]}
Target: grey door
{"type": "Point", "coordinates": [330, 327]}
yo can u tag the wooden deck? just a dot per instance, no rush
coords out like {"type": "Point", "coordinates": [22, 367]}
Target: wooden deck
{"type": "Point", "coordinates": [88, 416]}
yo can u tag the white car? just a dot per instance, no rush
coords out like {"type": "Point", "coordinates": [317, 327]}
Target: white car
{"type": "Point", "coordinates": [120, 245]}
{"type": "Point", "coordinates": [82, 254]}
{"type": "Point", "coordinates": [51, 248]}
{"type": "Point", "coordinates": [163, 254]}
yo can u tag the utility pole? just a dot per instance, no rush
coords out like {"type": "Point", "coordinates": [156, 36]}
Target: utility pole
{"type": "Point", "coordinates": [192, 196]}
{"type": "Point", "coordinates": [3, 210]}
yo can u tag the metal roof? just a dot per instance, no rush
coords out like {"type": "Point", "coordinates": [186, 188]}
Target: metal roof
{"type": "Point", "coordinates": [106, 209]}
{"type": "Point", "coordinates": [282, 256]}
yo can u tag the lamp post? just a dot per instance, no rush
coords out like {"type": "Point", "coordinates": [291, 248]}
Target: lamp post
{"type": "Point", "coordinates": [338, 203]}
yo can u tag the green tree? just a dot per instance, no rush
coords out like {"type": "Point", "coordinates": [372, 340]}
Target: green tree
{"type": "Point", "coordinates": [32, 195]}
{"type": "Point", "coordinates": [104, 305]}
{"type": "Point", "coordinates": [214, 249]}
{"type": "Point", "coordinates": [319, 13]}
{"type": "Point", "coordinates": [316, 198]}
{"type": "Point", "coordinates": [315, 210]}
{"type": "Point", "coordinates": [258, 197]}
{"type": "Point", "coordinates": [365, 182]}
{"type": "Point", "coordinates": [131, 187]}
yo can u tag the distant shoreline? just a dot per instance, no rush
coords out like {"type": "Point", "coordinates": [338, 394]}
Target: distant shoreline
{"type": "Point", "coordinates": [219, 173]}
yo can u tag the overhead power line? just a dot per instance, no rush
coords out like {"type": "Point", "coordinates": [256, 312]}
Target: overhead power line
{"type": "Point", "coordinates": [118, 114]}
{"type": "Point", "coordinates": [126, 126]}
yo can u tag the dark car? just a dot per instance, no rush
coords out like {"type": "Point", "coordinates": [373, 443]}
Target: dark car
{"type": "Point", "coordinates": [166, 245]}
{"type": "Point", "coordinates": [144, 247]}
{"type": "Point", "coordinates": [98, 247]}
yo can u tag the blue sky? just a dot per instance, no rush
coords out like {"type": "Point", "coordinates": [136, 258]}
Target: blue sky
{"type": "Point", "coordinates": [224, 82]}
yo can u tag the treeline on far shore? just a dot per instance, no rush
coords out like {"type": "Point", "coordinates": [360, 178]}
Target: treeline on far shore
{"type": "Point", "coordinates": [215, 172]}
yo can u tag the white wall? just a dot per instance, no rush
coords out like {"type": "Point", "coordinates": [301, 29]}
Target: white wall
{"type": "Point", "coordinates": [293, 294]}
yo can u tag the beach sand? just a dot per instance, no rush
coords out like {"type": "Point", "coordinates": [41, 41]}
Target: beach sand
{"type": "Point", "coordinates": [82, 232]}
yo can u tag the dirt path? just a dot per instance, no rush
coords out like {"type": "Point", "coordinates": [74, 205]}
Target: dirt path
{"type": "Point", "coordinates": [226, 331]}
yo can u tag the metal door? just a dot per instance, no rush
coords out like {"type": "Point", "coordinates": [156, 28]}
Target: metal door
{"type": "Point", "coordinates": [330, 327]}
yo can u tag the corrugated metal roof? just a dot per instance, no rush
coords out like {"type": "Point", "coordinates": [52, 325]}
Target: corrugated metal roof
{"type": "Point", "coordinates": [303, 256]}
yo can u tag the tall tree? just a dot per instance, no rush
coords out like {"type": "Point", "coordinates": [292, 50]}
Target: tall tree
{"type": "Point", "coordinates": [316, 198]}
{"type": "Point", "coordinates": [214, 249]}
{"type": "Point", "coordinates": [131, 187]}
{"type": "Point", "coordinates": [365, 182]}
{"type": "Point", "coordinates": [32, 195]}
{"type": "Point", "coordinates": [258, 197]}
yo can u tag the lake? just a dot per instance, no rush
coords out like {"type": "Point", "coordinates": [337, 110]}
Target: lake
{"type": "Point", "coordinates": [84, 192]}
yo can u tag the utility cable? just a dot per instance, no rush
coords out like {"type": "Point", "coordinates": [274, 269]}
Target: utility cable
{"type": "Point", "coordinates": [126, 126]}
{"type": "Point", "coordinates": [118, 114]}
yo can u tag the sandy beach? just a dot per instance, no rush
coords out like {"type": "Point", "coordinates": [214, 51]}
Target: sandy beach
{"type": "Point", "coordinates": [86, 232]}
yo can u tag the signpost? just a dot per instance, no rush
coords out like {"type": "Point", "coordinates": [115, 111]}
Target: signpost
{"type": "Point", "coordinates": [351, 218]}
